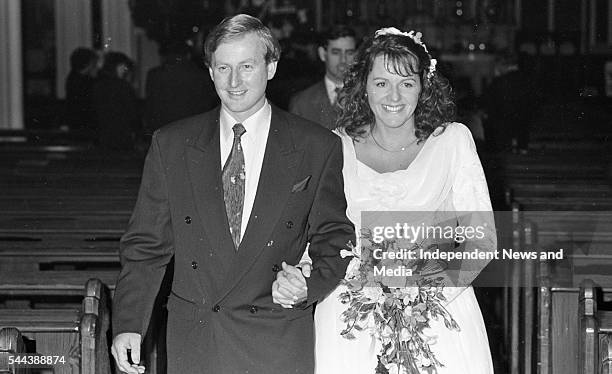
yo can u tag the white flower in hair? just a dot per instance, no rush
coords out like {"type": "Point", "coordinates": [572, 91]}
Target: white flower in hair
{"type": "Point", "coordinates": [390, 31]}
{"type": "Point", "coordinates": [416, 37]}
{"type": "Point", "coordinates": [432, 67]}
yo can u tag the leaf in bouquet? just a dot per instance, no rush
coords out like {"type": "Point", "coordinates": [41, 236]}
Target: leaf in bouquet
{"type": "Point", "coordinates": [391, 350]}
{"type": "Point", "coordinates": [355, 284]}
{"type": "Point", "coordinates": [344, 297]}
{"type": "Point", "coordinates": [368, 307]}
{"type": "Point", "coordinates": [420, 308]}
{"type": "Point", "coordinates": [451, 325]}
{"type": "Point", "coordinates": [349, 314]}
{"type": "Point", "coordinates": [378, 318]}
{"type": "Point", "coordinates": [348, 335]}
{"type": "Point", "coordinates": [455, 325]}
{"type": "Point", "coordinates": [358, 328]}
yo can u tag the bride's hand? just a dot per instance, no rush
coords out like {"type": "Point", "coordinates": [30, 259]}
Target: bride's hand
{"type": "Point", "coordinates": [290, 287]}
{"type": "Point", "coordinates": [305, 267]}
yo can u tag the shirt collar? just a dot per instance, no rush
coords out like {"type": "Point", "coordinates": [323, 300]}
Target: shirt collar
{"type": "Point", "coordinates": [251, 124]}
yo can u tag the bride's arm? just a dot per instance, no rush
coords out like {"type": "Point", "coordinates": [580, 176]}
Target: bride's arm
{"type": "Point", "coordinates": [473, 205]}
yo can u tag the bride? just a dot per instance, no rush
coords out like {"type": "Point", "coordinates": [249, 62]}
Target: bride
{"type": "Point", "coordinates": [402, 152]}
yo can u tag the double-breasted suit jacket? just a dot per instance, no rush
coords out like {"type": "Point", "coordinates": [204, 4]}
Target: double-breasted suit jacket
{"type": "Point", "coordinates": [221, 318]}
{"type": "Point", "coordinates": [313, 104]}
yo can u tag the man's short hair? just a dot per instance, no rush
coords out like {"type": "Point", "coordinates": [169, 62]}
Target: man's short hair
{"type": "Point", "coordinates": [336, 32]}
{"type": "Point", "coordinates": [235, 27]}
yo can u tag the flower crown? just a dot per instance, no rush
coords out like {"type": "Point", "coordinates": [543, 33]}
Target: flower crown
{"type": "Point", "coordinates": [416, 37]}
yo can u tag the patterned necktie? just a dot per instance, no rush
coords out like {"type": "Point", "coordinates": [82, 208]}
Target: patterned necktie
{"type": "Point", "coordinates": [233, 177]}
{"type": "Point", "coordinates": [336, 91]}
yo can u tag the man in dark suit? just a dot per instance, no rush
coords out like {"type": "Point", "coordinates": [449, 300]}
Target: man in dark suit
{"type": "Point", "coordinates": [231, 228]}
{"type": "Point", "coordinates": [318, 102]}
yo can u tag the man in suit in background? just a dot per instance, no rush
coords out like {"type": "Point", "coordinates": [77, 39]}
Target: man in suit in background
{"type": "Point", "coordinates": [318, 102]}
{"type": "Point", "coordinates": [232, 228]}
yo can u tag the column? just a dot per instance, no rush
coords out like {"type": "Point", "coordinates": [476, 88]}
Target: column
{"type": "Point", "coordinates": [117, 27]}
{"type": "Point", "coordinates": [592, 25]}
{"type": "Point", "coordinates": [518, 9]}
{"type": "Point", "coordinates": [609, 22]}
{"type": "Point", "coordinates": [318, 15]}
{"type": "Point", "coordinates": [584, 33]}
{"type": "Point", "coordinates": [551, 16]}
{"type": "Point", "coordinates": [72, 29]}
{"type": "Point", "coordinates": [11, 74]}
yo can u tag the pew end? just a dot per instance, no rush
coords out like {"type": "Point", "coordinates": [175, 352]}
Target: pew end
{"type": "Point", "coordinates": [78, 335]}
{"type": "Point", "coordinates": [595, 329]}
{"type": "Point", "coordinates": [11, 343]}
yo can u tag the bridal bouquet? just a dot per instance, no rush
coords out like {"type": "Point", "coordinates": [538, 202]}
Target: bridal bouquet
{"type": "Point", "coordinates": [396, 315]}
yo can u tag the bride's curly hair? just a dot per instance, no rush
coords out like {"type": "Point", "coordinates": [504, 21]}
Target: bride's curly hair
{"type": "Point", "coordinates": [435, 106]}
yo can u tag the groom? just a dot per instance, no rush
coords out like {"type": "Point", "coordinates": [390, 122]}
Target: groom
{"type": "Point", "coordinates": [232, 194]}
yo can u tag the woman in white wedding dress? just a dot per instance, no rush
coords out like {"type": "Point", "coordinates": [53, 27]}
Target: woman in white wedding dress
{"type": "Point", "coordinates": [403, 153]}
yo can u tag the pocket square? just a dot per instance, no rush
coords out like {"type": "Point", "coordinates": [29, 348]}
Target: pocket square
{"type": "Point", "coordinates": [301, 185]}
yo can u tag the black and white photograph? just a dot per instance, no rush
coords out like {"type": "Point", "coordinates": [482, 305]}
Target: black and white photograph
{"type": "Point", "coordinates": [306, 186]}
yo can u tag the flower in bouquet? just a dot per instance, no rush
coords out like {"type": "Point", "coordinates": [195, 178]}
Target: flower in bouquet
{"type": "Point", "coordinates": [395, 316]}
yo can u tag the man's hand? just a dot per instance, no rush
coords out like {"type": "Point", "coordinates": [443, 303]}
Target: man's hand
{"type": "Point", "coordinates": [121, 344]}
{"type": "Point", "coordinates": [290, 287]}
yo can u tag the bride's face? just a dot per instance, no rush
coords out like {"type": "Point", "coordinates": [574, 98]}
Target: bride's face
{"type": "Point", "coordinates": [392, 97]}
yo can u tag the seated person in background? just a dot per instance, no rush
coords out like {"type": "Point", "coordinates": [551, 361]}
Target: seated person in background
{"type": "Point", "coordinates": [177, 89]}
{"type": "Point", "coordinates": [115, 103]}
{"type": "Point", "coordinates": [78, 111]}
{"type": "Point", "coordinates": [318, 102]}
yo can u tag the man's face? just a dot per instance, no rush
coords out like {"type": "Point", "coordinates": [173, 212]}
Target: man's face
{"type": "Point", "coordinates": [240, 74]}
{"type": "Point", "coordinates": [337, 57]}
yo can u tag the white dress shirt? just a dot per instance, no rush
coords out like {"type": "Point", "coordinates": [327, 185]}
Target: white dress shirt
{"type": "Point", "coordinates": [253, 143]}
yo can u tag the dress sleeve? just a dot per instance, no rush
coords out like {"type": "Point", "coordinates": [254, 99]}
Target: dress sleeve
{"type": "Point", "coordinates": [473, 206]}
{"type": "Point", "coordinates": [470, 191]}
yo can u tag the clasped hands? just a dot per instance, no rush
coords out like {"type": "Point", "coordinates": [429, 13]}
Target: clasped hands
{"type": "Point", "coordinates": [290, 288]}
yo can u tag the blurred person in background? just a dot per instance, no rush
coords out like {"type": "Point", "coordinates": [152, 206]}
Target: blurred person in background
{"type": "Point", "coordinates": [176, 89]}
{"type": "Point", "coordinates": [318, 102]}
{"type": "Point", "coordinates": [78, 110]}
{"type": "Point", "coordinates": [510, 102]}
{"type": "Point", "coordinates": [115, 103]}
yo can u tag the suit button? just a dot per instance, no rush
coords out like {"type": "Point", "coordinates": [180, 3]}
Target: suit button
{"type": "Point", "coordinates": [216, 308]}
{"type": "Point", "coordinates": [289, 224]}
{"type": "Point", "coordinates": [194, 264]}
{"type": "Point", "coordinates": [253, 309]}
{"type": "Point", "coordinates": [188, 220]}
{"type": "Point", "coordinates": [276, 268]}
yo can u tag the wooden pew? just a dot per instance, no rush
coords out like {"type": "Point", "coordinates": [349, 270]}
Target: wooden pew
{"type": "Point", "coordinates": [11, 344]}
{"type": "Point", "coordinates": [595, 329]}
{"type": "Point", "coordinates": [77, 336]}
{"type": "Point", "coordinates": [52, 282]}
{"type": "Point", "coordinates": [551, 309]}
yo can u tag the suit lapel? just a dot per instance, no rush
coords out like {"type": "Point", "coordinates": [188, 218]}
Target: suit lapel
{"type": "Point", "coordinates": [327, 110]}
{"type": "Point", "coordinates": [277, 175]}
{"type": "Point", "coordinates": [203, 159]}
